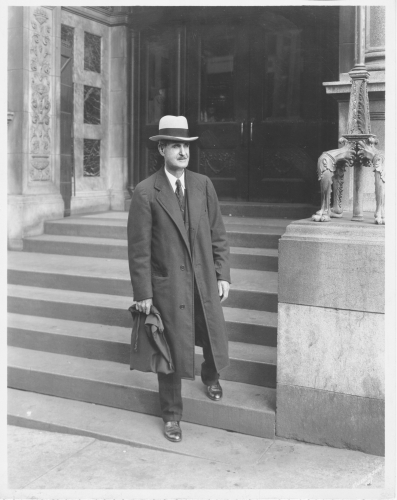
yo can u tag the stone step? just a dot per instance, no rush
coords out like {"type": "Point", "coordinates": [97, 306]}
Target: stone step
{"type": "Point", "coordinates": [227, 219]}
{"type": "Point", "coordinates": [261, 259]}
{"type": "Point", "coordinates": [292, 211]}
{"type": "Point", "coordinates": [50, 413]}
{"type": "Point", "coordinates": [243, 325]}
{"type": "Point", "coordinates": [240, 234]}
{"type": "Point", "coordinates": [250, 289]}
{"type": "Point", "coordinates": [250, 364]}
{"type": "Point", "coordinates": [244, 408]}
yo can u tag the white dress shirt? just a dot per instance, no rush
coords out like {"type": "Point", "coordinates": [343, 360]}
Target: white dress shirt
{"type": "Point", "coordinates": [173, 180]}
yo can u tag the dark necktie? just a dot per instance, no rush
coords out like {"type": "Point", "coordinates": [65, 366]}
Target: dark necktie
{"type": "Point", "coordinates": [179, 195]}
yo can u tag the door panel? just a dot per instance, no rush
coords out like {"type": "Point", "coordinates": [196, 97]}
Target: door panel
{"type": "Point", "coordinates": [160, 92]}
{"type": "Point", "coordinates": [217, 85]}
{"type": "Point", "coordinates": [285, 108]}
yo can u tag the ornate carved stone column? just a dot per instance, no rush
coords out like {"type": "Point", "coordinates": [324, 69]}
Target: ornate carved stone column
{"type": "Point", "coordinates": [33, 135]}
{"type": "Point", "coordinates": [358, 146]}
{"type": "Point", "coordinates": [340, 90]}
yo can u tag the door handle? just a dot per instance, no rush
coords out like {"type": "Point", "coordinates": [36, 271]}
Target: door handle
{"type": "Point", "coordinates": [252, 131]}
{"type": "Point", "coordinates": [242, 133]}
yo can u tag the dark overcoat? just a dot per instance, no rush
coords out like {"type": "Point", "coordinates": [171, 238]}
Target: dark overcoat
{"type": "Point", "coordinates": [163, 262]}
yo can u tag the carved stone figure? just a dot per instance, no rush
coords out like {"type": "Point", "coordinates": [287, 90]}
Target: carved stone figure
{"type": "Point", "coordinates": [331, 163]}
{"type": "Point", "coordinates": [376, 159]}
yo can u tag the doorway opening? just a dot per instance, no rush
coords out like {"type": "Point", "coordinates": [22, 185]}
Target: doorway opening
{"type": "Point", "coordinates": [249, 80]}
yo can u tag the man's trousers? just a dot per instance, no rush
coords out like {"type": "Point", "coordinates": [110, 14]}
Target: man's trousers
{"type": "Point", "coordinates": [170, 386]}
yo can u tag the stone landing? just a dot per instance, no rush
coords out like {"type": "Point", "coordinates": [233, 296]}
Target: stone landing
{"type": "Point", "coordinates": [331, 334]}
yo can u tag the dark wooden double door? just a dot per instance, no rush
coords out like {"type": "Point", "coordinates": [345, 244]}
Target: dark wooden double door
{"type": "Point", "coordinates": [250, 84]}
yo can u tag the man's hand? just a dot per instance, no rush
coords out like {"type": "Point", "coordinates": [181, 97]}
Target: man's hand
{"type": "Point", "coordinates": [223, 288]}
{"type": "Point", "coordinates": [144, 305]}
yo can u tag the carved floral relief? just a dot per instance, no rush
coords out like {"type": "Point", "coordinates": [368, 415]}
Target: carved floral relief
{"type": "Point", "coordinates": [358, 120]}
{"type": "Point", "coordinates": [40, 65]}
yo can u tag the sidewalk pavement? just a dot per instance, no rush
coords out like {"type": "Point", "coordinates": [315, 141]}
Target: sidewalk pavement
{"type": "Point", "coordinates": [42, 460]}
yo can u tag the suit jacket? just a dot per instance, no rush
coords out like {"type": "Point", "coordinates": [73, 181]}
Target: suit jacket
{"type": "Point", "coordinates": [164, 261]}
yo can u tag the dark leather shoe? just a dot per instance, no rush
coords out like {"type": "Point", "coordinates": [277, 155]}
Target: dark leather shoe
{"type": "Point", "coordinates": [173, 432]}
{"type": "Point", "coordinates": [214, 392]}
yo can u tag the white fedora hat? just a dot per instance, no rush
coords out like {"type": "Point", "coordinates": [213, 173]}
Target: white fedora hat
{"type": "Point", "coordinates": [173, 128]}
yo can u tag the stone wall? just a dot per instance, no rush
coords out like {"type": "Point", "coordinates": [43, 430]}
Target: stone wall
{"type": "Point", "coordinates": [331, 334]}
{"type": "Point", "coordinates": [33, 133]}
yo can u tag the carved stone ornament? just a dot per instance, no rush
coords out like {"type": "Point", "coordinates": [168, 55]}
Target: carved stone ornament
{"type": "Point", "coordinates": [40, 170]}
{"type": "Point", "coordinates": [40, 102]}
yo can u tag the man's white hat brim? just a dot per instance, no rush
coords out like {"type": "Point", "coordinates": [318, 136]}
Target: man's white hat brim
{"type": "Point", "coordinates": [172, 138]}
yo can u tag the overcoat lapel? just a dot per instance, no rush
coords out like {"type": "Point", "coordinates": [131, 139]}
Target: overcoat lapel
{"type": "Point", "coordinates": [167, 199]}
{"type": "Point", "coordinates": [195, 197]}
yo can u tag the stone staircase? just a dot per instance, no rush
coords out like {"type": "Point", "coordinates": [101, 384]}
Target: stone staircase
{"type": "Point", "coordinates": [69, 328]}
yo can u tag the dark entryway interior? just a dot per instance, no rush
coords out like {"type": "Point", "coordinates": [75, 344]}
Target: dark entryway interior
{"type": "Point", "coordinates": [249, 81]}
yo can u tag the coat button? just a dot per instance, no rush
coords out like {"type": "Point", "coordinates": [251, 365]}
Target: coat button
{"type": "Point", "coordinates": [182, 306]}
{"type": "Point", "coordinates": [182, 268]}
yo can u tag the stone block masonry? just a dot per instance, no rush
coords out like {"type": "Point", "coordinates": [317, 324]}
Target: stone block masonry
{"type": "Point", "coordinates": [331, 334]}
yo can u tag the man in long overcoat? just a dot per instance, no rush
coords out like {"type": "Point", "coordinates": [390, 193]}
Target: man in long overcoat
{"type": "Point", "coordinates": [179, 262]}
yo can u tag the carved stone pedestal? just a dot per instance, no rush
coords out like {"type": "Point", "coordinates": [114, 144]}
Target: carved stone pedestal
{"type": "Point", "coordinates": [331, 334]}
{"type": "Point", "coordinates": [357, 151]}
